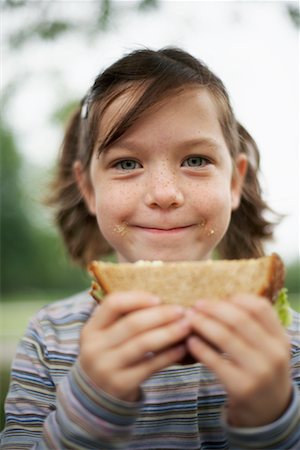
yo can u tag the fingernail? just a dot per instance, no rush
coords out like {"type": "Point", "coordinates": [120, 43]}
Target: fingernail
{"type": "Point", "coordinates": [189, 313]}
{"type": "Point", "coordinates": [154, 300]}
{"type": "Point", "coordinates": [184, 323]}
{"type": "Point", "coordinates": [179, 310]}
{"type": "Point", "coordinates": [200, 304]}
{"type": "Point", "coordinates": [192, 340]}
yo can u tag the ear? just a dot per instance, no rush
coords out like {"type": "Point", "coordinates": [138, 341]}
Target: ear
{"type": "Point", "coordinates": [85, 187]}
{"type": "Point", "coordinates": [240, 170]}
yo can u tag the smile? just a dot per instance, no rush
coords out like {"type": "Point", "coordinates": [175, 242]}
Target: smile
{"type": "Point", "coordinates": [164, 231]}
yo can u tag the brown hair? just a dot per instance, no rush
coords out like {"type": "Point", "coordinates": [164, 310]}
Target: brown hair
{"type": "Point", "coordinates": [158, 74]}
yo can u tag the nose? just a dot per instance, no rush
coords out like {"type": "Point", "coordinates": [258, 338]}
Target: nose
{"type": "Point", "coordinates": [163, 191]}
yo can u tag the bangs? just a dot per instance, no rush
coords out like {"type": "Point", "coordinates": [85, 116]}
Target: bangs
{"type": "Point", "coordinates": [135, 104]}
{"type": "Point", "coordinates": [157, 76]}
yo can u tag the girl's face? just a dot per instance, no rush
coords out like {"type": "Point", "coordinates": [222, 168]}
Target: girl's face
{"type": "Point", "coordinates": [165, 190]}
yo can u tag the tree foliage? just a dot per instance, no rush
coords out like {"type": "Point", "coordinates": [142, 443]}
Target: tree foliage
{"type": "Point", "coordinates": [293, 10]}
{"type": "Point", "coordinates": [47, 23]}
{"type": "Point", "coordinates": [32, 257]}
{"type": "Point", "coordinates": [293, 277]}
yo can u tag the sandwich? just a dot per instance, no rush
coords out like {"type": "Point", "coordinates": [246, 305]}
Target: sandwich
{"type": "Point", "coordinates": [186, 282]}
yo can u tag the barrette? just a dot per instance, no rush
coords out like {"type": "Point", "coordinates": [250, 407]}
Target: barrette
{"type": "Point", "coordinates": [86, 104]}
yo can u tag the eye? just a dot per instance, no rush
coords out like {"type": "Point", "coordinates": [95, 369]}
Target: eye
{"type": "Point", "coordinates": [127, 164]}
{"type": "Point", "coordinates": [195, 161]}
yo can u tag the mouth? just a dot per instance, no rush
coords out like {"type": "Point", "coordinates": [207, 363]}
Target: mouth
{"type": "Point", "coordinates": [164, 231]}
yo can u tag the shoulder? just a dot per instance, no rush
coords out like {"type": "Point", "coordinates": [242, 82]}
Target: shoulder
{"type": "Point", "coordinates": [77, 305]}
{"type": "Point", "coordinates": [294, 327]}
{"type": "Point", "coordinates": [66, 314]}
{"type": "Point", "coordinates": [50, 344]}
{"type": "Point", "coordinates": [293, 330]}
{"type": "Point", "coordinates": [52, 336]}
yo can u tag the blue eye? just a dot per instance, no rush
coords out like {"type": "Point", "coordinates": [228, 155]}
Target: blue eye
{"type": "Point", "coordinates": [127, 164]}
{"type": "Point", "coordinates": [195, 161]}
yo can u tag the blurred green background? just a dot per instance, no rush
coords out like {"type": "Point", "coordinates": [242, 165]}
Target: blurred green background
{"type": "Point", "coordinates": [34, 267]}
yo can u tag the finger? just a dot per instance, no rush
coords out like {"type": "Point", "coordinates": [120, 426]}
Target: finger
{"type": "Point", "coordinates": [239, 319]}
{"type": "Point", "coordinates": [133, 352]}
{"type": "Point", "coordinates": [228, 373]}
{"type": "Point", "coordinates": [262, 309]}
{"type": "Point", "coordinates": [245, 390]}
{"type": "Point", "coordinates": [150, 342]}
{"type": "Point", "coordinates": [124, 383]}
{"type": "Point", "coordinates": [157, 362]}
{"type": "Point", "coordinates": [141, 321]}
{"type": "Point", "coordinates": [117, 304]}
{"type": "Point", "coordinates": [226, 340]}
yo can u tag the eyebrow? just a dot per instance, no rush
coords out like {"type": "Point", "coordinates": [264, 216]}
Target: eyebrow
{"type": "Point", "coordinates": [206, 142]}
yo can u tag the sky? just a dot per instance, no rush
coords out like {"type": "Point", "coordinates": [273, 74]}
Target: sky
{"type": "Point", "coordinates": [251, 45]}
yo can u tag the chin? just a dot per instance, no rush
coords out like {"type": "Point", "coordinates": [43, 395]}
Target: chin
{"type": "Point", "coordinates": [167, 255]}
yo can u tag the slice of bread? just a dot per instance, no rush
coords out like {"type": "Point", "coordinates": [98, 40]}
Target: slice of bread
{"type": "Point", "coordinates": [185, 282]}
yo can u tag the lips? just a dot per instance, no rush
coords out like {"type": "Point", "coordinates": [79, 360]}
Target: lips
{"type": "Point", "coordinates": [164, 230]}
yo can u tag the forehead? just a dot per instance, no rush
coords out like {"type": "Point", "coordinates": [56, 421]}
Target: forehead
{"type": "Point", "coordinates": [189, 102]}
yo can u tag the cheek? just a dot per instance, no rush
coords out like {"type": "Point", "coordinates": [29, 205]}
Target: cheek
{"type": "Point", "coordinates": [221, 214]}
{"type": "Point", "coordinates": [215, 208]}
{"type": "Point", "coordinates": [212, 196]}
{"type": "Point", "coordinates": [113, 206]}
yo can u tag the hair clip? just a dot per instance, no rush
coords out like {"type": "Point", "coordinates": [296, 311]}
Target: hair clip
{"type": "Point", "coordinates": [86, 105]}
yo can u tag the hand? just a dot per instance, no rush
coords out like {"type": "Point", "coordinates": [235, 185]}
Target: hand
{"type": "Point", "coordinates": [128, 338]}
{"type": "Point", "coordinates": [255, 367]}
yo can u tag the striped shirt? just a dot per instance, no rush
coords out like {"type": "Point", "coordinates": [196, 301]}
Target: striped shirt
{"type": "Point", "coordinates": [52, 404]}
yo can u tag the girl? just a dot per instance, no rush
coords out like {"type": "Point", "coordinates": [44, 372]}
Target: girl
{"type": "Point", "coordinates": [155, 166]}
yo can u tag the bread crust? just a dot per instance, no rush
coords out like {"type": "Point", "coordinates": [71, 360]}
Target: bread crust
{"type": "Point", "coordinates": [95, 270]}
{"type": "Point", "coordinates": [185, 282]}
{"type": "Point", "coordinates": [275, 280]}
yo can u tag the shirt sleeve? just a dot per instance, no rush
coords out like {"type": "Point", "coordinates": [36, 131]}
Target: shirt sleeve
{"type": "Point", "coordinates": [87, 417]}
{"type": "Point", "coordinates": [284, 433]}
{"type": "Point", "coordinates": [74, 414]}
